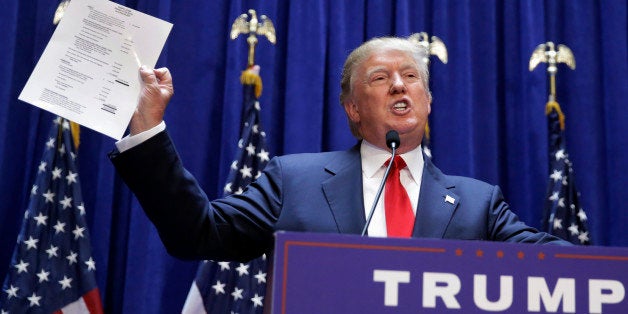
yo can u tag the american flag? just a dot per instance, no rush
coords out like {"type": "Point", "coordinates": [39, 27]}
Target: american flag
{"type": "Point", "coordinates": [563, 217]}
{"type": "Point", "coordinates": [229, 287]}
{"type": "Point", "coordinates": [52, 269]}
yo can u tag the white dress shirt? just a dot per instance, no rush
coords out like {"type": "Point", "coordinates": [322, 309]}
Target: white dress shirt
{"type": "Point", "coordinates": [373, 169]}
{"type": "Point", "coordinates": [129, 141]}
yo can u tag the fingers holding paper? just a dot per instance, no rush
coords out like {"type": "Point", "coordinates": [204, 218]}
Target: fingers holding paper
{"type": "Point", "coordinates": [156, 92]}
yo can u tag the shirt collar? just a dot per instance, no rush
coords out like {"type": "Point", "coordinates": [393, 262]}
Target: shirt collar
{"type": "Point", "coordinates": [373, 159]}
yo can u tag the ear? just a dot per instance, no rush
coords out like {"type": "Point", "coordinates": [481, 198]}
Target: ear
{"type": "Point", "coordinates": [351, 108]}
{"type": "Point", "coordinates": [429, 103]}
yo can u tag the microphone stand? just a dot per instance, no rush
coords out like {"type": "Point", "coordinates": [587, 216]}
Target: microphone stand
{"type": "Point", "coordinates": [393, 146]}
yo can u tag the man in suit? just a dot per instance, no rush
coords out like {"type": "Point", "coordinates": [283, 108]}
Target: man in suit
{"type": "Point", "coordinates": [384, 87]}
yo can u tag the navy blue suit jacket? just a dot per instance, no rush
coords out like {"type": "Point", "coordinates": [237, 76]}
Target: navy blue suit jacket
{"type": "Point", "coordinates": [319, 192]}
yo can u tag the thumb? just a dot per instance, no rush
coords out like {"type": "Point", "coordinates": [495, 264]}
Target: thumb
{"type": "Point", "coordinates": [147, 75]}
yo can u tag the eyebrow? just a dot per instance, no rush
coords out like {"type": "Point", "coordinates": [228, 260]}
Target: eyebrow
{"type": "Point", "coordinates": [382, 68]}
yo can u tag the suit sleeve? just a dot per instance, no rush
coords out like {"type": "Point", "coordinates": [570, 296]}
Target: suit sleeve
{"type": "Point", "coordinates": [189, 224]}
{"type": "Point", "coordinates": [505, 225]}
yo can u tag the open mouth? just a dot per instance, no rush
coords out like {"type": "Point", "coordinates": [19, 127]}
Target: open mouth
{"type": "Point", "coordinates": [400, 106]}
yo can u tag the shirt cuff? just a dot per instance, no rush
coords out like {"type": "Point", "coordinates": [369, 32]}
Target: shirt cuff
{"type": "Point", "coordinates": [129, 141]}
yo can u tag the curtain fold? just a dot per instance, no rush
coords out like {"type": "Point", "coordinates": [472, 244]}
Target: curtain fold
{"type": "Point", "coordinates": [487, 116]}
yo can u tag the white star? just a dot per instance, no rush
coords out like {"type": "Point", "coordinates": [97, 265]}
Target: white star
{"type": "Point", "coordinates": [56, 173]}
{"type": "Point", "coordinates": [58, 120]}
{"type": "Point", "coordinates": [257, 300]}
{"type": "Point", "coordinates": [557, 175]}
{"type": "Point", "coordinates": [81, 209]}
{"type": "Point", "coordinates": [12, 291]}
{"type": "Point", "coordinates": [240, 143]}
{"type": "Point", "coordinates": [257, 107]}
{"type": "Point", "coordinates": [255, 128]}
{"type": "Point", "coordinates": [228, 187]}
{"type": "Point", "coordinates": [62, 149]}
{"type": "Point", "coordinates": [246, 172]}
{"type": "Point", "coordinates": [31, 243]}
{"type": "Point", "coordinates": [427, 151]}
{"type": "Point", "coordinates": [560, 154]}
{"type": "Point", "coordinates": [52, 251]}
{"type": "Point", "coordinates": [261, 277]}
{"type": "Point", "coordinates": [59, 227]}
{"type": "Point", "coordinates": [49, 196]}
{"type": "Point", "coordinates": [71, 258]}
{"type": "Point", "coordinates": [258, 174]}
{"type": "Point", "coordinates": [239, 191]}
{"type": "Point", "coordinates": [91, 264]}
{"type": "Point", "coordinates": [583, 237]}
{"type": "Point", "coordinates": [34, 190]}
{"type": "Point", "coordinates": [41, 219]}
{"type": "Point", "coordinates": [558, 223]}
{"type": "Point", "coordinates": [50, 143]}
{"type": "Point", "coordinates": [66, 124]}
{"type": "Point", "coordinates": [42, 167]}
{"type": "Point", "coordinates": [34, 300]}
{"type": "Point", "coordinates": [71, 177]}
{"type": "Point", "coordinates": [554, 196]}
{"type": "Point", "coordinates": [237, 294]}
{"type": "Point", "coordinates": [573, 229]}
{"type": "Point", "coordinates": [250, 149]}
{"type": "Point", "coordinates": [66, 202]}
{"type": "Point", "coordinates": [263, 156]}
{"type": "Point", "coordinates": [243, 269]}
{"type": "Point", "coordinates": [22, 267]}
{"type": "Point", "coordinates": [78, 232]}
{"type": "Point", "coordinates": [65, 283]}
{"type": "Point", "coordinates": [561, 202]}
{"type": "Point", "coordinates": [234, 165]}
{"type": "Point", "coordinates": [582, 215]}
{"type": "Point", "coordinates": [219, 287]}
{"type": "Point", "coordinates": [224, 265]}
{"type": "Point", "coordinates": [43, 275]}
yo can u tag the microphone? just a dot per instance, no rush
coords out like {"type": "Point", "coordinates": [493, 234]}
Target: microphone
{"type": "Point", "coordinates": [392, 141]}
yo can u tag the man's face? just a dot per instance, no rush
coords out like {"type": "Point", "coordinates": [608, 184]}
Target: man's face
{"type": "Point", "coordinates": [388, 94]}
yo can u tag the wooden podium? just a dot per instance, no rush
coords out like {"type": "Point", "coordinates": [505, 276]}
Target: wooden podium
{"type": "Point", "coordinates": [331, 273]}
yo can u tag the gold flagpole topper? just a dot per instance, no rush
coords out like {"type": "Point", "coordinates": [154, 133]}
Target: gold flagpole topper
{"type": "Point", "coordinates": [548, 54]}
{"type": "Point", "coordinates": [436, 47]}
{"type": "Point", "coordinates": [253, 28]}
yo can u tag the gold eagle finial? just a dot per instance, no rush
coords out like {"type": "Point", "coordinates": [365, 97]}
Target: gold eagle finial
{"type": "Point", "coordinates": [436, 47]}
{"type": "Point", "coordinates": [253, 27]}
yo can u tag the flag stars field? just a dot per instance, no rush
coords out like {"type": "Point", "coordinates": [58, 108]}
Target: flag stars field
{"type": "Point", "coordinates": [45, 251]}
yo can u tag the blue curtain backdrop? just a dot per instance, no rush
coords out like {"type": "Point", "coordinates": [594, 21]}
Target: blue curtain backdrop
{"type": "Point", "coordinates": [487, 116]}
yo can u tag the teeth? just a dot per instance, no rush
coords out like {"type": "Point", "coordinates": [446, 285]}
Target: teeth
{"type": "Point", "coordinates": [399, 105]}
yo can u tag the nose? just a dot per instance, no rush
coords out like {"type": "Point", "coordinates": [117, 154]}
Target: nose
{"type": "Point", "coordinates": [397, 84]}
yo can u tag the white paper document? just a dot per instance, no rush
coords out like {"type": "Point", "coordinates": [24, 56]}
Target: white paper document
{"type": "Point", "coordinates": [89, 72]}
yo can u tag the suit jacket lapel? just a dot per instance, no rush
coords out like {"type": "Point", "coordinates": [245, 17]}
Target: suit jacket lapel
{"type": "Point", "coordinates": [437, 203]}
{"type": "Point", "coordinates": [344, 192]}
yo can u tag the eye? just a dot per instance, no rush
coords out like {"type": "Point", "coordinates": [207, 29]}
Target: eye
{"type": "Point", "coordinates": [378, 79]}
{"type": "Point", "coordinates": [411, 76]}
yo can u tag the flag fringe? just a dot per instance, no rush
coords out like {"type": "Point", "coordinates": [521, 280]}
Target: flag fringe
{"type": "Point", "coordinates": [553, 105]}
{"type": "Point", "coordinates": [76, 134]}
{"type": "Point", "coordinates": [250, 78]}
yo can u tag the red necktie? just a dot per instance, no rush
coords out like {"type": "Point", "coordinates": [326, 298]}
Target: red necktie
{"type": "Point", "coordinates": [399, 215]}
